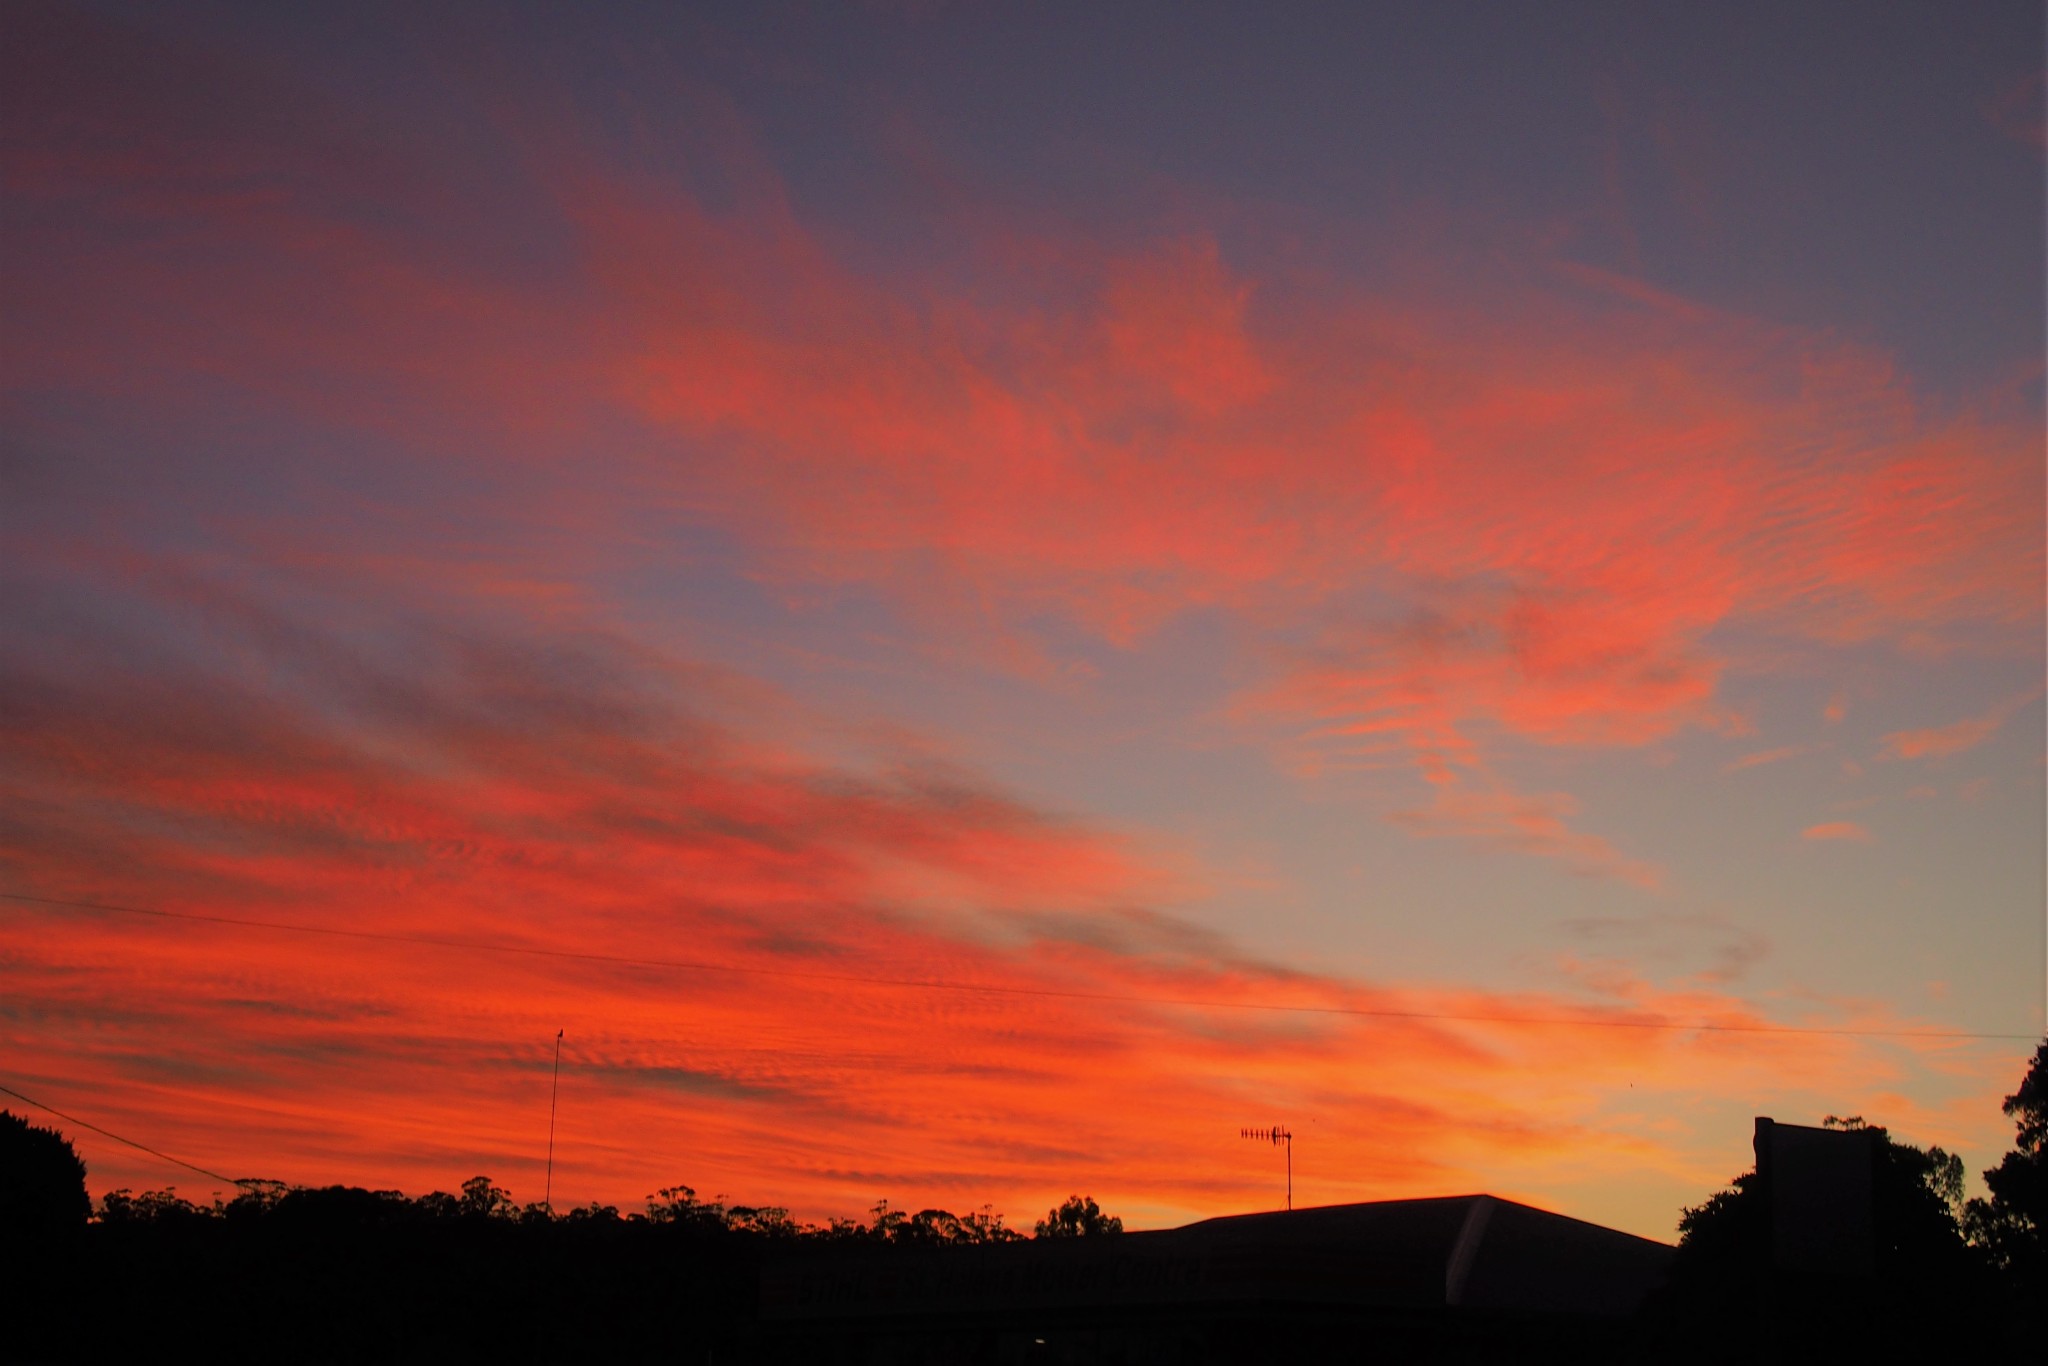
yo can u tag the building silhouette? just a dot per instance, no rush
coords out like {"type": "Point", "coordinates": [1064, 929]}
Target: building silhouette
{"type": "Point", "coordinates": [1453, 1277]}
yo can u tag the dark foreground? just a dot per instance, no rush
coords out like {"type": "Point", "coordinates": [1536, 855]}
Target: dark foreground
{"type": "Point", "coordinates": [337, 1276]}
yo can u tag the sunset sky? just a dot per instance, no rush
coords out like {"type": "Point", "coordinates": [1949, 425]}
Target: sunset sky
{"type": "Point", "coordinates": [971, 598]}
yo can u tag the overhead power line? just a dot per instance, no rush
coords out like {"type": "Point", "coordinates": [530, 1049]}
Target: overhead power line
{"type": "Point", "coordinates": [109, 1133]}
{"type": "Point", "coordinates": [993, 989]}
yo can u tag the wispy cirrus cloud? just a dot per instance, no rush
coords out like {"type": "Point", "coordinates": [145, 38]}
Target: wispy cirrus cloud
{"type": "Point", "coordinates": [1524, 505]}
{"type": "Point", "coordinates": [1837, 830]}
{"type": "Point", "coordinates": [1769, 756]}
{"type": "Point", "coordinates": [1732, 951]}
{"type": "Point", "coordinates": [1563, 504]}
{"type": "Point", "coordinates": [1555, 519]}
{"type": "Point", "coordinates": [1527, 824]}
{"type": "Point", "coordinates": [1938, 742]}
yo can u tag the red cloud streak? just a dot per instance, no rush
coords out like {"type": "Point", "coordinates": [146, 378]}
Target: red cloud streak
{"type": "Point", "coordinates": [562, 803]}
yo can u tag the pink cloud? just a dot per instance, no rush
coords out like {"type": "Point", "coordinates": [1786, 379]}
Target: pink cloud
{"type": "Point", "coordinates": [1836, 830]}
{"type": "Point", "coordinates": [1526, 824]}
{"type": "Point", "coordinates": [1938, 742]}
{"type": "Point", "coordinates": [1768, 756]}
{"type": "Point", "coordinates": [1571, 502]}
{"type": "Point", "coordinates": [1522, 503]}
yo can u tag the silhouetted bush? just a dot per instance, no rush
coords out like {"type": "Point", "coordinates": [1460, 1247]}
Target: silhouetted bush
{"type": "Point", "coordinates": [42, 1183]}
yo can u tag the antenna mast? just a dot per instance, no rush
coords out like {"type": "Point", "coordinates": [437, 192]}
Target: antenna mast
{"type": "Point", "coordinates": [554, 1091]}
{"type": "Point", "coordinates": [1280, 1137]}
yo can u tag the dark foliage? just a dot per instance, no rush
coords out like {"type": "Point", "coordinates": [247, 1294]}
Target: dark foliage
{"type": "Point", "coordinates": [42, 1183]}
{"type": "Point", "coordinates": [345, 1274]}
{"type": "Point", "coordinates": [938, 1228]}
{"type": "Point", "coordinates": [2012, 1225]}
{"type": "Point", "coordinates": [1077, 1217]}
{"type": "Point", "coordinates": [1930, 1295]}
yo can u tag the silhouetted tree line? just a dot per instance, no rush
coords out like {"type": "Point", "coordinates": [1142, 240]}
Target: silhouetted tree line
{"type": "Point", "coordinates": [345, 1274]}
{"type": "Point", "coordinates": [340, 1273]}
{"type": "Point", "coordinates": [674, 1207]}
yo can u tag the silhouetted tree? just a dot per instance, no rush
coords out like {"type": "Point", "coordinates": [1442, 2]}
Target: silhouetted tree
{"type": "Point", "coordinates": [1917, 1196]}
{"type": "Point", "coordinates": [2012, 1225]}
{"type": "Point", "coordinates": [885, 1222]}
{"type": "Point", "coordinates": [926, 1228]}
{"type": "Point", "coordinates": [929, 1228]}
{"type": "Point", "coordinates": [255, 1198]}
{"type": "Point", "coordinates": [839, 1230]}
{"type": "Point", "coordinates": [986, 1226]}
{"type": "Point", "coordinates": [767, 1221]}
{"type": "Point", "coordinates": [482, 1200]}
{"type": "Point", "coordinates": [679, 1207]}
{"type": "Point", "coordinates": [42, 1182]}
{"type": "Point", "coordinates": [1726, 1228]}
{"type": "Point", "coordinates": [1726, 1298]}
{"type": "Point", "coordinates": [1078, 1217]}
{"type": "Point", "coordinates": [163, 1206]}
{"type": "Point", "coordinates": [1918, 1208]}
{"type": "Point", "coordinates": [334, 1208]}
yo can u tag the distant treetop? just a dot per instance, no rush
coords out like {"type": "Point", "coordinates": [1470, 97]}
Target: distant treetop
{"type": "Point", "coordinates": [1078, 1217]}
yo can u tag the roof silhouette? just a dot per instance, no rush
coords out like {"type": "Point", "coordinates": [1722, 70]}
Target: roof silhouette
{"type": "Point", "coordinates": [1463, 1252]}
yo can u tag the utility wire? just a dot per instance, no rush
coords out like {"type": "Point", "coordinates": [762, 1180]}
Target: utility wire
{"type": "Point", "coordinates": [990, 989]}
{"type": "Point", "coordinates": [109, 1133]}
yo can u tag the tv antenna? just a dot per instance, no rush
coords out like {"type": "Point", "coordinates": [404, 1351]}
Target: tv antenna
{"type": "Point", "coordinates": [1279, 1137]}
{"type": "Point", "coordinates": [554, 1092]}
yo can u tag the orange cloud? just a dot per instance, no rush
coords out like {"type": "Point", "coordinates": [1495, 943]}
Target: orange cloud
{"type": "Point", "coordinates": [1938, 742]}
{"type": "Point", "coordinates": [780, 979]}
{"type": "Point", "coordinates": [1836, 830]}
